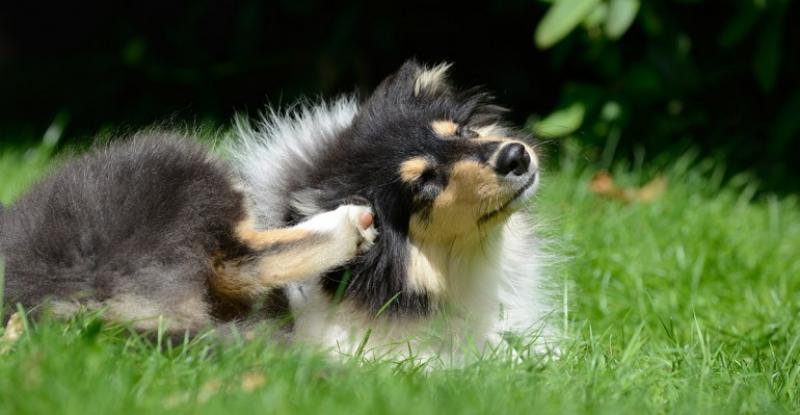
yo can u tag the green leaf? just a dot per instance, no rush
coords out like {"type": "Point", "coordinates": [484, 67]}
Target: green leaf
{"type": "Point", "coordinates": [611, 111]}
{"type": "Point", "coordinates": [340, 290]}
{"type": "Point", "coordinates": [740, 26]}
{"type": "Point", "coordinates": [621, 14]}
{"type": "Point", "coordinates": [562, 122]}
{"type": "Point", "coordinates": [562, 17]}
{"type": "Point", "coordinates": [596, 17]}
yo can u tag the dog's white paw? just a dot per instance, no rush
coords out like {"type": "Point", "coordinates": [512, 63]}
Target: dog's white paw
{"type": "Point", "coordinates": [363, 218]}
{"type": "Point", "coordinates": [352, 227]}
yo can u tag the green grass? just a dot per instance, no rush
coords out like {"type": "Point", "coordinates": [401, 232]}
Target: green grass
{"type": "Point", "coordinates": [690, 305]}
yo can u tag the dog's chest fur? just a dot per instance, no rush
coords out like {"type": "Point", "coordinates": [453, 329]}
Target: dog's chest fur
{"type": "Point", "coordinates": [467, 300]}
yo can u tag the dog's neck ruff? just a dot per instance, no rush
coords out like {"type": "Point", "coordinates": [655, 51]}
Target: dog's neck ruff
{"type": "Point", "coordinates": [269, 153]}
{"type": "Point", "coordinates": [481, 288]}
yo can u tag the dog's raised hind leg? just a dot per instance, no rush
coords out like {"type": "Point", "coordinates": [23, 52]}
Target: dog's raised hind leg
{"type": "Point", "coordinates": [280, 256]}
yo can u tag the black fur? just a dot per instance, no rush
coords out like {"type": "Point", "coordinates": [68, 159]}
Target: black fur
{"type": "Point", "coordinates": [141, 217]}
{"type": "Point", "coordinates": [392, 126]}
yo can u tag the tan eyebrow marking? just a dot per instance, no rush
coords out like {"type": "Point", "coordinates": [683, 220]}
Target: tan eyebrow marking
{"type": "Point", "coordinates": [412, 169]}
{"type": "Point", "coordinates": [444, 128]}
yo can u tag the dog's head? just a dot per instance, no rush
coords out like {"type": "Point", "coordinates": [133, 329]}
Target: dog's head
{"type": "Point", "coordinates": [438, 166]}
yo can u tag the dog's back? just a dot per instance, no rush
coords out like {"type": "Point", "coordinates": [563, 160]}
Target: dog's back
{"type": "Point", "coordinates": [155, 227]}
{"type": "Point", "coordinates": [131, 224]}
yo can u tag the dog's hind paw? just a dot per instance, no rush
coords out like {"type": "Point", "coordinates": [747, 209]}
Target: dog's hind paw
{"type": "Point", "coordinates": [363, 218]}
{"type": "Point", "coordinates": [351, 226]}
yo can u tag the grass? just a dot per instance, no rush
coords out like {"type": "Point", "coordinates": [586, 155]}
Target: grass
{"type": "Point", "coordinates": [689, 304]}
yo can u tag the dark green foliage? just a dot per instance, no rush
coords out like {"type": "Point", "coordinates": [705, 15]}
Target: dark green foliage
{"type": "Point", "coordinates": [668, 75]}
{"type": "Point", "coordinates": [688, 73]}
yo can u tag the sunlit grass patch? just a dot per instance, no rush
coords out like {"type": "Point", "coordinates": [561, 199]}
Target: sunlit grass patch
{"type": "Point", "coordinates": [687, 304]}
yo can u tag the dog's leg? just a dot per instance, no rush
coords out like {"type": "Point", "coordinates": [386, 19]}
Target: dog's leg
{"type": "Point", "coordinates": [280, 256]}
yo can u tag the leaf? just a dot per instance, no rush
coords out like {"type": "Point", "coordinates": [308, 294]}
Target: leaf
{"type": "Point", "coordinates": [562, 17]}
{"type": "Point", "coordinates": [603, 185]}
{"type": "Point", "coordinates": [739, 26]}
{"type": "Point", "coordinates": [611, 111]}
{"type": "Point", "coordinates": [596, 17]}
{"type": "Point", "coordinates": [621, 14]}
{"type": "Point", "coordinates": [562, 122]}
{"type": "Point", "coordinates": [253, 380]}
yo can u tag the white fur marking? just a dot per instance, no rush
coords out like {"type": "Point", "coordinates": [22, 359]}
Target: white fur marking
{"type": "Point", "coordinates": [305, 202]}
{"type": "Point", "coordinates": [431, 79]}
{"type": "Point", "coordinates": [492, 130]}
{"type": "Point", "coordinates": [425, 273]}
{"type": "Point", "coordinates": [284, 144]}
{"type": "Point", "coordinates": [342, 224]}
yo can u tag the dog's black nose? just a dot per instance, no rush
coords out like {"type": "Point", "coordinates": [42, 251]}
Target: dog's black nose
{"type": "Point", "coordinates": [513, 158]}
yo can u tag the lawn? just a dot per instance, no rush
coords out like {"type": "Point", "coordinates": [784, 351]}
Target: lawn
{"type": "Point", "coordinates": [687, 304]}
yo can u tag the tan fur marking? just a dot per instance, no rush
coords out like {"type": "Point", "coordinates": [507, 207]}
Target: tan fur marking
{"type": "Point", "coordinates": [473, 189]}
{"type": "Point", "coordinates": [256, 239]}
{"type": "Point", "coordinates": [239, 280]}
{"type": "Point", "coordinates": [189, 313]}
{"type": "Point", "coordinates": [228, 282]}
{"type": "Point", "coordinates": [412, 169]}
{"type": "Point", "coordinates": [286, 255]}
{"type": "Point", "coordinates": [444, 128]}
{"type": "Point", "coordinates": [470, 183]}
{"type": "Point", "coordinates": [296, 264]}
{"type": "Point", "coordinates": [251, 279]}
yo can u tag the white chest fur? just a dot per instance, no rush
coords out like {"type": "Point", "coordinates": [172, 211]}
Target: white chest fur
{"type": "Point", "coordinates": [483, 289]}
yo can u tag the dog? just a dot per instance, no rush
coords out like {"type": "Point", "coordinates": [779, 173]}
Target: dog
{"type": "Point", "coordinates": [392, 226]}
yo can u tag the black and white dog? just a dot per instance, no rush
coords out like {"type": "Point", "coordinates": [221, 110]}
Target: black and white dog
{"type": "Point", "coordinates": [391, 226]}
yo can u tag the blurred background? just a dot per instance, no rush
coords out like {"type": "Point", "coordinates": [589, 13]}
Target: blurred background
{"type": "Point", "coordinates": [619, 80]}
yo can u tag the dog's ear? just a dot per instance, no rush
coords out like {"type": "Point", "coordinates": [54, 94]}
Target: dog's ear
{"type": "Point", "coordinates": [412, 83]}
{"type": "Point", "coordinates": [427, 81]}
